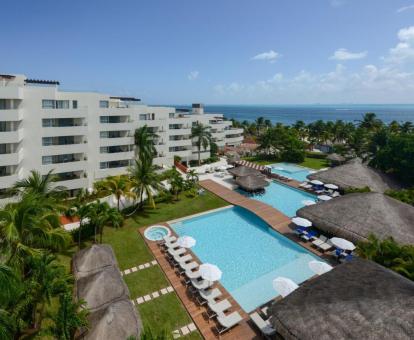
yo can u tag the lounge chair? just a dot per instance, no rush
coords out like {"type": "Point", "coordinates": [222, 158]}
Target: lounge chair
{"type": "Point", "coordinates": [208, 296]}
{"type": "Point", "coordinates": [218, 308]}
{"type": "Point", "coordinates": [187, 266]}
{"type": "Point", "coordinates": [325, 246]}
{"type": "Point", "coordinates": [191, 275]}
{"type": "Point", "coordinates": [226, 322]}
{"type": "Point", "coordinates": [320, 240]}
{"type": "Point", "coordinates": [263, 325]}
{"type": "Point", "coordinates": [300, 230]}
{"type": "Point", "coordinates": [182, 259]}
{"type": "Point", "coordinates": [308, 186]}
{"type": "Point", "coordinates": [171, 245]}
{"type": "Point", "coordinates": [347, 258]}
{"type": "Point", "coordinates": [178, 251]}
{"type": "Point", "coordinates": [335, 194]}
{"type": "Point", "coordinates": [203, 284]}
{"type": "Point", "coordinates": [309, 235]}
{"type": "Point", "coordinates": [303, 184]}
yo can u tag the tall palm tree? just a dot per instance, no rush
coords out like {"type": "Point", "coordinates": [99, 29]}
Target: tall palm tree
{"type": "Point", "coordinates": [101, 214]}
{"type": "Point", "coordinates": [42, 185]}
{"type": "Point", "coordinates": [201, 134]}
{"type": "Point", "coordinates": [145, 181]}
{"type": "Point", "coordinates": [177, 183]}
{"type": "Point", "coordinates": [370, 121]}
{"type": "Point", "coordinates": [144, 142]}
{"type": "Point", "coordinates": [28, 227]}
{"type": "Point", "coordinates": [118, 186]}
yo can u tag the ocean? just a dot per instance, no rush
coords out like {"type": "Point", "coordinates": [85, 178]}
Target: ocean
{"type": "Point", "coordinates": [289, 114]}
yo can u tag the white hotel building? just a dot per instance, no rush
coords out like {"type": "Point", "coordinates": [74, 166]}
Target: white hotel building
{"type": "Point", "coordinates": [86, 136]}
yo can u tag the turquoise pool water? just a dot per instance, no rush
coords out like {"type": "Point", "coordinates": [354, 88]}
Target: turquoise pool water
{"type": "Point", "coordinates": [296, 172]}
{"type": "Point", "coordinates": [282, 197]}
{"type": "Point", "coordinates": [249, 253]}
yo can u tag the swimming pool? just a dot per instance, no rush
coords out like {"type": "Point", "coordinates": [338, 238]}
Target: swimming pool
{"type": "Point", "coordinates": [282, 197]}
{"type": "Point", "coordinates": [249, 253]}
{"type": "Point", "coordinates": [294, 171]}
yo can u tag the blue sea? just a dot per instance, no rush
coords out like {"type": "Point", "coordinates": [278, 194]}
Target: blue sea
{"type": "Point", "coordinates": [288, 114]}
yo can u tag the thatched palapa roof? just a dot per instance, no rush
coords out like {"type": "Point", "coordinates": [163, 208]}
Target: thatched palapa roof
{"type": "Point", "coordinates": [242, 171]}
{"type": "Point", "coordinates": [101, 288]}
{"type": "Point", "coordinates": [334, 157]}
{"type": "Point", "coordinates": [355, 174]}
{"type": "Point", "coordinates": [355, 216]}
{"type": "Point", "coordinates": [356, 300]}
{"type": "Point", "coordinates": [92, 259]}
{"type": "Point", "coordinates": [116, 321]}
{"type": "Point", "coordinates": [251, 183]}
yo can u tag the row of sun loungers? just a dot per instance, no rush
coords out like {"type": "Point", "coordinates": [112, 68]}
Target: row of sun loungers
{"type": "Point", "coordinates": [320, 190]}
{"type": "Point", "coordinates": [201, 289]}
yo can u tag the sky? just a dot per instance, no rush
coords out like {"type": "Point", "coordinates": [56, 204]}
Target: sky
{"type": "Point", "coordinates": [216, 51]}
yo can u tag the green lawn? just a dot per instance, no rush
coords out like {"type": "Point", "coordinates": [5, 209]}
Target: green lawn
{"type": "Point", "coordinates": [313, 163]}
{"type": "Point", "coordinates": [145, 281]}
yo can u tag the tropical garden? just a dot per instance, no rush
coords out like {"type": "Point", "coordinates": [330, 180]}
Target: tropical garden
{"type": "Point", "coordinates": [35, 275]}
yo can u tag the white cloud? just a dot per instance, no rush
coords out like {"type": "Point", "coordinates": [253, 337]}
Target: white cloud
{"type": "Point", "coordinates": [343, 54]}
{"type": "Point", "coordinates": [405, 8]}
{"type": "Point", "coordinates": [270, 56]}
{"type": "Point", "coordinates": [403, 52]}
{"type": "Point", "coordinates": [193, 75]}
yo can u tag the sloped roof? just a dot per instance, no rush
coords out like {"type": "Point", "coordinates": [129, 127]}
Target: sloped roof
{"type": "Point", "coordinates": [101, 288]}
{"type": "Point", "coordinates": [356, 300]}
{"type": "Point", "coordinates": [92, 259]}
{"type": "Point", "coordinates": [117, 321]}
{"type": "Point", "coordinates": [355, 216]}
{"type": "Point", "coordinates": [252, 183]}
{"type": "Point", "coordinates": [241, 171]}
{"type": "Point", "coordinates": [355, 174]}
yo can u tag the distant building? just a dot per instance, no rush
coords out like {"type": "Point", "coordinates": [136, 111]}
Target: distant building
{"type": "Point", "coordinates": [86, 136]}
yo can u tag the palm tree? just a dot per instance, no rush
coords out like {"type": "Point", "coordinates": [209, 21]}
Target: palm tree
{"type": "Point", "coordinates": [101, 214]}
{"type": "Point", "coordinates": [118, 186]}
{"type": "Point", "coordinates": [177, 183]}
{"type": "Point", "coordinates": [28, 227]}
{"type": "Point", "coordinates": [145, 181]}
{"type": "Point", "coordinates": [202, 135]}
{"type": "Point", "coordinates": [144, 142]}
{"type": "Point", "coordinates": [38, 184]}
{"type": "Point", "coordinates": [370, 121]}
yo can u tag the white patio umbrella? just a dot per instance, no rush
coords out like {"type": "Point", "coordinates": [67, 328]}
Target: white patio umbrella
{"type": "Point", "coordinates": [331, 186]}
{"type": "Point", "coordinates": [342, 243]}
{"type": "Point", "coordinates": [308, 202]}
{"type": "Point", "coordinates": [186, 242]}
{"type": "Point", "coordinates": [301, 222]}
{"type": "Point", "coordinates": [319, 267]}
{"type": "Point", "coordinates": [324, 197]}
{"type": "Point", "coordinates": [316, 182]}
{"type": "Point", "coordinates": [284, 286]}
{"type": "Point", "coordinates": [210, 272]}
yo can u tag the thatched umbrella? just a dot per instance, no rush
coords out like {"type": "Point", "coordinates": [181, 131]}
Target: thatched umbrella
{"type": "Point", "coordinates": [118, 321]}
{"type": "Point", "coordinates": [232, 157]}
{"type": "Point", "coordinates": [355, 216]}
{"type": "Point", "coordinates": [252, 183]}
{"type": "Point", "coordinates": [101, 288]}
{"type": "Point", "coordinates": [92, 259]}
{"type": "Point", "coordinates": [242, 171]}
{"type": "Point", "coordinates": [356, 300]}
{"type": "Point", "coordinates": [355, 174]}
{"type": "Point", "coordinates": [335, 158]}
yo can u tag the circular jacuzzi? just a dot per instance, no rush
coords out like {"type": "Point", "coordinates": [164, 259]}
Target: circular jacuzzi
{"type": "Point", "coordinates": [156, 232]}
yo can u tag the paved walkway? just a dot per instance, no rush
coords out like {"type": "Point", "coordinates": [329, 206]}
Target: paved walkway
{"type": "Point", "coordinates": [270, 215]}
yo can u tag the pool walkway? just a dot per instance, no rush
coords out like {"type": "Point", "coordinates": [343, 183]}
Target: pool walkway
{"type": "Point", "coordinates": [270, 215]}
{"type": "Point", "coordinates": [204, 326]}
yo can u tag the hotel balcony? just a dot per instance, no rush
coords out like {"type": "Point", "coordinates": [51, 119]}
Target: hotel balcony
{"type": "Point", "coordinates": [11, 136]}
{"type": "Point", "coordinates": [130, 126]}
{"type": "Point", "coordinates": [116, 141]}
{"type": "Point", "coordinates": [81, 112]}
{"type": "Point", "coordinates": [51, 150]}
{"type": "Point", "coordinates": [77, 163]}
{"type": "Point", "coordinates": [11, 92]}
{"type": "Point", "coordinates": [116, 156]}
{"type": "Point", "coordinates": [180, 142]}
{"type": "Point", "coordinates": [11, 158]}
{"type": "Point", "coordinates": [75, 183]}
{"type": "Point", "coordinates": [55, 131]}
{"type": "Point", "coordinates": [180, 131]}
{"type": "Point", "coordinates": [7, 181]}
{"type": "Point", "coordinates": [11, 115]}
{"type": "Point", "coordinates": [234, 140]}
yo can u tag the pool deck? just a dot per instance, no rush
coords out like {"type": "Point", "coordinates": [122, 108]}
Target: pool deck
{"type": "Point", "coordinates": [206, 327]}
{"type": "Point", "coordinates": [270, 215]}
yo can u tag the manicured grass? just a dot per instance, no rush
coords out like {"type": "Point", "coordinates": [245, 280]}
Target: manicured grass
{"type": "Point", "coordinates": [260, 161]}
{"type": "Point", "coordinates": [315, 163]}
{"type": "Point", "coordinates": [164, 312]}
{"type": "Point", "coordinates": [145, 281]}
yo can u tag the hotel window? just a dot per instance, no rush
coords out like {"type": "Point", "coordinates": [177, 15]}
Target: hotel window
{"type": "Point", "coordinates": [62, 104]}
{"type": "Point", "coordinates": [103, 165]}
{"type": "Point", "coordinates": [48, 104]}
{"type": "Point", "coordinates": [104, 119]}
{"type": "Point", "coordinates": [46, 141]}
{"type": "Point", "coordinates": [103, 104]}
{"type": "Point", "coordinates": [104, 134]}
{"type": "Point", "coordinates": [142, 117]}
{"type": "Point", "coordinates": [47, 159]}
{"type": "Point", "coordinates": [74, 104]}
{"type": "Point", "coordinates": [47, 122]}
{"type": "Point", "coordinates": [171, 114]}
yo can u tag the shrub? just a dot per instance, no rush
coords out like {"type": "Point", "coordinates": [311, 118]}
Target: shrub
{"type": "Point", "coordinates": [177, 159]}
{"type": "Point", "coordinates": [357, 190]}
{"type": "Point", "coordinates": [405, 195]}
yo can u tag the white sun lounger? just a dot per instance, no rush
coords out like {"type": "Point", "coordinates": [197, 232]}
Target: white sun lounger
{"type": "Point", "coordinates": [171, 245]}
{"type": "Point", "coordinates": [179, 251]}
{"type": "Point", "coordinates": [208, 296]}
{"type": "Point", "coordinates": [169, 238]}
{"type": "Point", "coordinates": [227, 322]}
{"type": "Point", "coordinates": [193, 274]}
{"type": "Point", "coordinates": [320, 240]}
{"type": "Point", "coordinates": [182, 259]}
{"type": "Point", "coordinates": [263, 325]}
{"type": "Point", "coordinates": [188, 266]}
{"type": "Point", "coordinates": [203, 284]}
{"type": "Point", "coordinates": [326, 246]}
{"type": "Point", "coordinates": [218, 308]}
